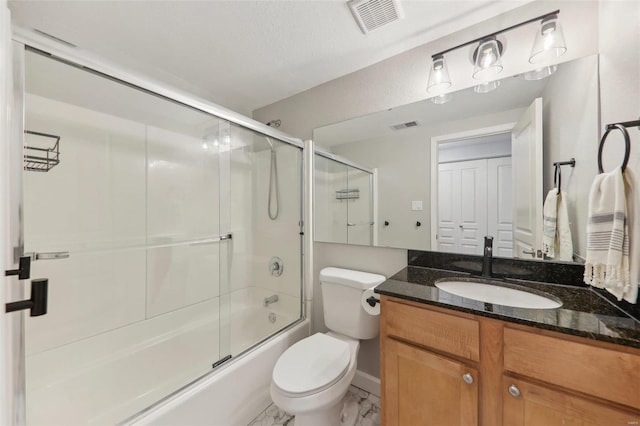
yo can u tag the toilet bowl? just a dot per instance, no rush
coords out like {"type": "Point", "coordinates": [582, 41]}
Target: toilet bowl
{"type": "Point", "coordinates": [310, 379]}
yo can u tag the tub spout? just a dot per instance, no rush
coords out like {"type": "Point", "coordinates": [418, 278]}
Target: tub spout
{"type": "Point", "coordinates": [271, 299]}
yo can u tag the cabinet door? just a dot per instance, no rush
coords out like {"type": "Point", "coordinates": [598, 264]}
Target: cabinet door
{"type": "Point", "coordinates": [526, 404]}
{"type": "Point", "coordinates": [422, 388]}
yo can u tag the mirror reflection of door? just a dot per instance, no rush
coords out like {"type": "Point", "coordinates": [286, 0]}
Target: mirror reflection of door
{"type": "Point", "coordinates": [527, 181]}
{"type": "Point", "coordinates": [489, 182]}
{"type": "Point", "coordinates": [474, 195]}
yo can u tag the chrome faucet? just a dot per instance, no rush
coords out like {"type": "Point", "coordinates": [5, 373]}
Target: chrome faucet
{"type": "Point", "coordinates": [271, 299]}
{"type": "Point", "coordinates": [487, 260]}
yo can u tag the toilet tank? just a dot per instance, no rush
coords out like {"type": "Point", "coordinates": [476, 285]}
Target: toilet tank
{"type": "Point", "coordinates": [342, 291]}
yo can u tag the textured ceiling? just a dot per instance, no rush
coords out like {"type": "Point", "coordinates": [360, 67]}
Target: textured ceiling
{"type": "Point", "coordinates": [244, 54]}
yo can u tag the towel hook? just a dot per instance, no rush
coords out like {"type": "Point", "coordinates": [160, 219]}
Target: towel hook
{"type": "Point", "coordinates": [627, 145]}
{"type": "Point", "coordinates": [557, 177]}
{"type": "Point", "coordinates": [557, 174]}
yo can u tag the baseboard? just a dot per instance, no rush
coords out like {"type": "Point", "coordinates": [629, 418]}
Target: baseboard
{"type": "Point", "coordinates": [366, 382]}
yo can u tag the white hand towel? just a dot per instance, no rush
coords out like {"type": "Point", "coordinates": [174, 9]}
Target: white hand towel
{"type": "Point", "coordinates": [633, 222]}
{"type": "Point", "coordinates": [563, 241]}
{"type": "Point", "coordinates": [549, 221]}
{"type": "Point", "coordinates": [607, 263]}
{"type": "Point", "coordinates": [556, 233]}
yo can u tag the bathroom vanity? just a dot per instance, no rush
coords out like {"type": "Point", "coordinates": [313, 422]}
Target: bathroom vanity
{"type": "Point", "coordinates": [451, 360]}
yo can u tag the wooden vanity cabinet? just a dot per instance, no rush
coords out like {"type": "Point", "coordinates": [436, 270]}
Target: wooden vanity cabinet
{"type": "Point", "coordinates": [442, 367]}
{"type": "Point", "coordinates": [421, 385]}
{"type": "Point", "coordinates": [429, 373]}
{"type": "Point", "coordinates": [529, 404]}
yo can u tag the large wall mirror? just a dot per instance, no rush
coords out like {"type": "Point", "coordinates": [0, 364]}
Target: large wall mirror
{"type": "Point", "coordinates": [448, 174]}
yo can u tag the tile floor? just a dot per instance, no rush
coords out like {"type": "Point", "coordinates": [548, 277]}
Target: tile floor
{"type": "Point", "coordinates": [368, 411]}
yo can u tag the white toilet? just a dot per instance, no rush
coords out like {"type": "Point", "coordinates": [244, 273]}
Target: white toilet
{"type": "Point", "coordinates": [311, 378]}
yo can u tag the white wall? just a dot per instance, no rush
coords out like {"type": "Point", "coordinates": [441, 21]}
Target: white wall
{"type": "Point", "coordinates": [620, 75]}
{"type": "Point", "coordinates": [608, 27]}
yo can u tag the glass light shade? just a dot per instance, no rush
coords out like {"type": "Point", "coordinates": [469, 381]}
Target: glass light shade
{"type": "Point", "coordinates": [442, 99]}
{"type": "Point", "coordinates": [487, 59]}
{"type": "Point", "coordinates": [487, 87]}
{"type": "Point", "coordinates": [439, 79]}
{"type": "Point", "coordinates": [549, 43]}
{"type": "Point", "coordinates": [540, 73]}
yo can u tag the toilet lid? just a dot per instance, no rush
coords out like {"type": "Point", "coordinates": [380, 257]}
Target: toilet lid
{"type": "Point", "coordinates": [312, 364]}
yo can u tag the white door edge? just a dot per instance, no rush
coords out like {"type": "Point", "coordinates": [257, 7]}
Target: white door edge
{"type": "Point", "coordinates": [12, 350]}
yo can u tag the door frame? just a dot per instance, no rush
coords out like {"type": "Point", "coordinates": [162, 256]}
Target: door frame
{"type": "Point", "coordinates": [12, 344]}
{"type": "Point", "coordinates": [435, 142]}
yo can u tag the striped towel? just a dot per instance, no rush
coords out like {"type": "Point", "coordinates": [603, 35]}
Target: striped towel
{"type": "Point", "coordinates": [557, 242]}
{"type": "Point", "coordinates": [607, 263]}
{"type": "Point", "coordinates": [564, 240]}
{"type": "Point", "coordinates": [549, 220]}
{"type": "Point", "coordinates": [633, 223]}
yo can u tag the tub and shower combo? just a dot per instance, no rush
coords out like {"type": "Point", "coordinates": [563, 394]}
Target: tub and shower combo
{"type": "Point", "coordinates": [170, 232]}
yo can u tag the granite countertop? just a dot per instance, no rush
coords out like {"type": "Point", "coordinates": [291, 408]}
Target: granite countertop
{"type": "Point", "coordinates": [584, 312]}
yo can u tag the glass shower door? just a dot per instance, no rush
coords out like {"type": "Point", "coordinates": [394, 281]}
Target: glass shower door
{"type": "Point", "coordinates": [360, 207]}
{"type": "Point", "coordinates": [126, 227]}
{"type": "Point", "coordinates": [264, 214]}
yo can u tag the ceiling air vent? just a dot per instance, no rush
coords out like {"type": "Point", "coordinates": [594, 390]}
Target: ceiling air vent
{"type": "Point", "coordinates": [372, 14]}
{"type": "Point", "coordinates": [404, 125]}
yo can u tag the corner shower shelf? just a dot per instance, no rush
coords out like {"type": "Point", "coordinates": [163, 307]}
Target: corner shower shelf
{"type": "Point", "coordinates": [41, 157]}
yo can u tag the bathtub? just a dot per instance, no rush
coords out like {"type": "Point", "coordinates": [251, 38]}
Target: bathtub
{"type": "Point", "coordinates": [142, 363]}
{"type": "Point", "coordinates": [232, 396]}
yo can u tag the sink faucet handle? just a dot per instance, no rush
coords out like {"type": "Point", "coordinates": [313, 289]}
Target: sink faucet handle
{"type": "Point", "coordinates": [487, 259]}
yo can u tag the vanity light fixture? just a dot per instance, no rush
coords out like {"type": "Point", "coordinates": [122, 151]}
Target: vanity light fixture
{"type": "Point", "coordinates": [549, 43]}
{"type": "Point", "coordinates": [439, 79]}
{"type": "Point", "coordinates": [487, 87]}
{"type": "Point", "coordinates": [442, 99]}
{"type": "Point", "coordinates": [487, 57]}
{"type": "Point", "coordinates": [540, 73]}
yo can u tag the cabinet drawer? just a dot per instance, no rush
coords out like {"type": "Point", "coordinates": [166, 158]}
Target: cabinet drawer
{"type": "Point", "coordinates": [604, 373]}
{"type": "Point", "coordinates": [447, 333]}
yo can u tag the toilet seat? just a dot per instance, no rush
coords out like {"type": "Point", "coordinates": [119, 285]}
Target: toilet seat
{"type": "Point", "coordinates": [312, 365]}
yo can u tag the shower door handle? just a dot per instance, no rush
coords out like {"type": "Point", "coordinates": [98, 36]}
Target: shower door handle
{"type": "Point", "coordinates": [52, 255]}
{"type": "Point", "coordinates": [207, 241]}
{"type": "Point", "coordinates": [37, 304]}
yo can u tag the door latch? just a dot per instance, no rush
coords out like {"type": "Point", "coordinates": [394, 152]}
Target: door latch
{"type": "Point", "coordinates": [38, 302]}
{"type": "Point", "coordinates": [24, 269]}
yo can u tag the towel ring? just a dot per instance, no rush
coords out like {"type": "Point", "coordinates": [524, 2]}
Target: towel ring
{"type": "Point", "coordinates": [627, 146]}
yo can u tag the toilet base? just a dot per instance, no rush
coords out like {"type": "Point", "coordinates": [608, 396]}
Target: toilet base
{"type": "Point", "coordinates": [343, 413]}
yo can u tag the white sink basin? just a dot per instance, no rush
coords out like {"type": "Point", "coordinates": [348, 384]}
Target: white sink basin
{"type": "Point", "coordinates": [498, 295]}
